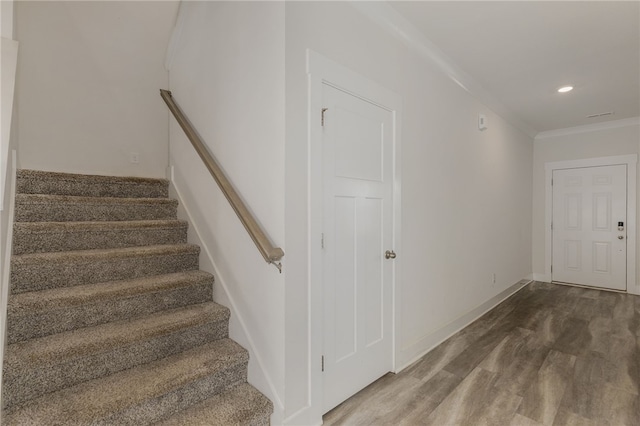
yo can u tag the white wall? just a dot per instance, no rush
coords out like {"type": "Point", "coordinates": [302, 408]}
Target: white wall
{"type": "Point", "coordinates": [88, 81]}
{"type": "Point", "coordinates": [466, 194]}
{"type": "Point", "coordinates": [227, 74]}
{"type": "Point", "coordinates": [573, 144]}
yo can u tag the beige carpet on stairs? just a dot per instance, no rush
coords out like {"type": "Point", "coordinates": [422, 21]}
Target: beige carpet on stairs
{"type": "Point", "coordinates": [110, 322]}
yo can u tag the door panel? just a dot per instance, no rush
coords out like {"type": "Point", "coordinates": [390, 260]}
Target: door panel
{"type": "Point", "coordinates": [602, 257]}
{"type": "Point", "coordinates": [372, 212]}
{"type": "Point", "coordinates": [345, 293]}
{"type": "Point", "coordinates": [573, 260]}
{"type": "Point", "coordinates": [588, 247]}
{"type": "Point", "coordinates": [357, 227]}
{"type": "Point", "coordinates": [349, 150]}
{"type": "Point", "coordinates": [602, 212]}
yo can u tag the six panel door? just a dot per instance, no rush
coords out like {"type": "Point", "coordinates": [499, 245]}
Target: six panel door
{"type": "Point", "coordinates": [589, 246]}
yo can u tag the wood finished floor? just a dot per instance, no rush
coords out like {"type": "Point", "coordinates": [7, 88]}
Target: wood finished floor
{"type": "Point", "coordinates": [549, 355]}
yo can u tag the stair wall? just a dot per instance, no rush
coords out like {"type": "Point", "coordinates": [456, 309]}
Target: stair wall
{"type": "Point", "coordinates": [241, 327]}
{"type": "Point", "coordinates": [248, 140]}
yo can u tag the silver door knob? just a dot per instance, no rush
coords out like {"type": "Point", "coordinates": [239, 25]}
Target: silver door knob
{"type": "Point", "coordinates": [389, 254]}
{"type": "Point", "coordinates": [620, 237]}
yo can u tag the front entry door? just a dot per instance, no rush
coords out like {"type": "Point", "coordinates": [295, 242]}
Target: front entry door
{"type": "Point", "coordinates": [357, 231]}
{"type": "Point", "coordinates": [590, 226]}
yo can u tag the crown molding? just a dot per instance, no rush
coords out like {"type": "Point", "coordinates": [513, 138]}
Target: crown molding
{"type": "Point", "coordinates": [614, 124]}
{"type": "Point", "coordinates": [389, 19]}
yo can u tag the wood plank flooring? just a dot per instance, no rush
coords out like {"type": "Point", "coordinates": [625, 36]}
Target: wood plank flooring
{"type": "Point", "coordinates": [549, 355]}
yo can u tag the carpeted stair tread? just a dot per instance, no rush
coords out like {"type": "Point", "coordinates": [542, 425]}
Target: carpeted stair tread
{"type": "Point", "coordinates": [46, 364]}
{"type": "Point", "coordinates": [68, 297]}
{"type": "Point", "coordinates": [86, 341]}
{"type": "Point", "coordinates": [55, 183]}
{"type": "Point", "coordinates": [39, 237]}
{"type": "Point", "coordinates": [40, 313]}
{"type": "Point", "coordinates": [141, 395]}
{"type": "Point", "coordinates": [67, 208]}
{"type": "Point", "coordinates": [242, 405]}
{"type": "Point", "coordinates": [40, 271]}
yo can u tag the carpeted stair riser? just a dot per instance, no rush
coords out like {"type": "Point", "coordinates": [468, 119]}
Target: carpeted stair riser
{"type": "Point", "coordinates": [64, 360]}
{"type": "Point", "coordinates": [38, 314]}
{"type": "Point", "coordinates": [41, 271]}
{"type": "Point", "coordinates": [62, 208]}
{"type": "Point", "coordinates": [38, 182]}
{"type": "Point", "coordinates": [40, 237]}
{"type": "Point", "coordinates": [241, 405]}
{"type": "Point", "coordinates": [144, 394]}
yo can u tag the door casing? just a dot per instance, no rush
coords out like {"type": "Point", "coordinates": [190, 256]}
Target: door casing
{"type": "Point", "coordinates": [631, 162]}
{"type": "Point", "coordinates": [321, 70]}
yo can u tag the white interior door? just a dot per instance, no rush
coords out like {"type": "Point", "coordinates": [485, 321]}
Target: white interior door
{"type": "Point", "coordinates": [590, 226]}
{"type": "Point", "coordinates": [357, 231]}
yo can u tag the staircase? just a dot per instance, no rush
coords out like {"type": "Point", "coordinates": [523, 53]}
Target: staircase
{"type": "Point", "coordinates": [110, 322]}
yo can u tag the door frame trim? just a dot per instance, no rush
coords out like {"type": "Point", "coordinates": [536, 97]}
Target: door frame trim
{"type": "Point", "coordinates": [631, 162]}
{"type": "Point", "coordinates": [321, 70]}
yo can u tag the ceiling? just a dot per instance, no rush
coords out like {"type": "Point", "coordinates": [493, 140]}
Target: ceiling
{"type": "Point", "coordinates": [521, 52]}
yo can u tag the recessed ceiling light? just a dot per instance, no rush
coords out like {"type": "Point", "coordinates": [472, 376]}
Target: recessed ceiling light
{"type": "Point", "coordinates": [565, 89]}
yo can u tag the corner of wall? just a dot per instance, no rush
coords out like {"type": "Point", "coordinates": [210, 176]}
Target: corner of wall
{"type": "Point", "coordinates": [9, 63]}
{"type": "Point", "coordinates": [175, 37]}
{"type": "Point", "coordinates": [7, 12]}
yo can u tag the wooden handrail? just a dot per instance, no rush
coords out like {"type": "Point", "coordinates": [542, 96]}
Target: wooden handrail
{"type": "Point", "coordinates": [270, 253]}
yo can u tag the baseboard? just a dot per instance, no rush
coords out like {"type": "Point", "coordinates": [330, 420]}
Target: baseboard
{"type": "Point", "coordinates": [263, 382]}
{"type": "Point", "coordinates": [301, 417]}
{"type": "Point", "coordinates": [417, 350]}
{"type": "Point", "coordinates": [635, 289]}
{"type": "Point", "coordinates": [541, 277]}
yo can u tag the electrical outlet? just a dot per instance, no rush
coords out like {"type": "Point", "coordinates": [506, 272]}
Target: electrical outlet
{"type": "Point", "coordinates": [134, 158]}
